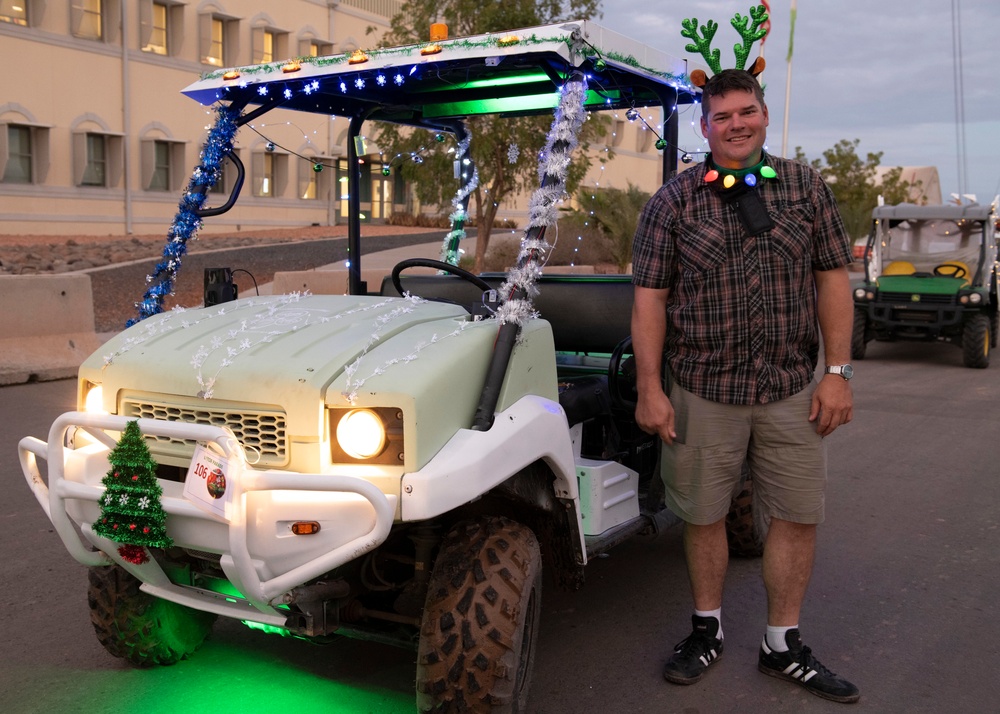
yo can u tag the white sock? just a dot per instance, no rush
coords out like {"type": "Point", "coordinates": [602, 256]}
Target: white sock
{"type": "Point", "coordinates": [717, 614]}
{"type": "Point", "coordinates": [775, 637]}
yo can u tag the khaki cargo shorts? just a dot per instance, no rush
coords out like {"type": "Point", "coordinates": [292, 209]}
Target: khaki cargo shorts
{"type": "Point", "coordinates": [702, 468]}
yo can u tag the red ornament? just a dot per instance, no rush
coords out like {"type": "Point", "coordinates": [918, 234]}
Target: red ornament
{"type": "Point", "coordinates": [132, 526]}
{"type": "Point", "coordinates": [135, 477]}
{"type": "Point", "coordinates": [115, 526]}
{"type": "Point", "coordinates": [117, 474]}
{"type": "Point", "coordinates": [146, 529]}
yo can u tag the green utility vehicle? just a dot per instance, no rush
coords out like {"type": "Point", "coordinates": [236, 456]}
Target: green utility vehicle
{"type": "Point", "coordinates": [396, 463]}
{"type": "Point", "coordinates": [930, 274]}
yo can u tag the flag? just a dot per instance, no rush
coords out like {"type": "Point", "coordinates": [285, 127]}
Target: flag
{"type": "Point", "coordinates": [767, 23]}
{"type": "Point", "coordinates": [791, 32]}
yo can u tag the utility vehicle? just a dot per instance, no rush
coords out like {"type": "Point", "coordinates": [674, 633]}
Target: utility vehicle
{"type": "Point", "coordinates": [930, 274]}
{"type": "Point", "coordinates": [400, 460]}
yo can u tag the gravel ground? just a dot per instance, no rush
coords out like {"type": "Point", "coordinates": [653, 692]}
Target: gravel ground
{"type": "Point", "coordinates": [118, 267]}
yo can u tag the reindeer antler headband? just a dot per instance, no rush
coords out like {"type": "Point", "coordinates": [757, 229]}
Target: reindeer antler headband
{"type": "Point", "coordinates": [751, 29]}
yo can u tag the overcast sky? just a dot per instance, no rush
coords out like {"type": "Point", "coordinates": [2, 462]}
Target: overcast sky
{"type": "Point", "coordinates": [881, 71]}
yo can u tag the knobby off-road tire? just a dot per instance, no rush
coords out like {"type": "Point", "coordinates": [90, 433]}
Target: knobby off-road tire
{"type": "Point", "coordinates": [976, 342]}
{"type": "Point", "coordinates": [746, 522]}
{"type": "Point", "coordinates": [858, 342]}
{"type": "Point", "coordinates": [477, 636]}
{"type": "Point", "coordinates": [142, 629]}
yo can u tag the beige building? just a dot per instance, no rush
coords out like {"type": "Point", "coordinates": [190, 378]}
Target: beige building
{"type": "Point", "coordinates": [96, 138]}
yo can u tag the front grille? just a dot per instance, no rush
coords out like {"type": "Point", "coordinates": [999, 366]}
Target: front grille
{"type": "Point", "coordinates": [262, 432]}
{"type": "Point", "coordinates": [924, 299]}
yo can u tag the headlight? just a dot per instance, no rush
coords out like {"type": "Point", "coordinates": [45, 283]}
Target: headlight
{"type": "Point", "coordinates": [859, 293]}
{"type": "Point", "coordinates": [361, 434]}
{"type": "Point", "coordinates": [93, 400]}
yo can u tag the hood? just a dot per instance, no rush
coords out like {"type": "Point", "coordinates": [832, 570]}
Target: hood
{"type": "Point", "coordinates": [256, 349]}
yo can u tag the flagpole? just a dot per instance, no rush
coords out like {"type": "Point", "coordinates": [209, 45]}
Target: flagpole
{"type": "Point", "coordinates": [788, 82]}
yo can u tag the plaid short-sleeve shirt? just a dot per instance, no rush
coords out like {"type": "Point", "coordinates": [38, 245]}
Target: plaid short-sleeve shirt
{"type": "Point", "coordinates": [742, 324]}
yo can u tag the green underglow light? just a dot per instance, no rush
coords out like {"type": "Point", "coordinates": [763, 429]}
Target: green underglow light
{"type": "Point", "coordinates": [269, 629]}
{"type": "Point", "coordinates": [528, 103]}
{"type": "Point", "coordinates": [507, 81]}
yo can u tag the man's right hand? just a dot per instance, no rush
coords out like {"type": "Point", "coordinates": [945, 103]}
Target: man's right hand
{"type": "Point", "coordinates": [655, 414]}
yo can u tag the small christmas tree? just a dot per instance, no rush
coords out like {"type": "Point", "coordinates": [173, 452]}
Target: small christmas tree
{"type": "Point", "coordinates": [131, 512]}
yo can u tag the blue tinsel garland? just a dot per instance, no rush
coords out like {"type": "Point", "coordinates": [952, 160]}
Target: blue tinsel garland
{"type": "Point", "coordinates": [186, 223]}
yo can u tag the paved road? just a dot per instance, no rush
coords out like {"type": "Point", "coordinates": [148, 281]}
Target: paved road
{"type": "Point", "coordinates": [904, 599]}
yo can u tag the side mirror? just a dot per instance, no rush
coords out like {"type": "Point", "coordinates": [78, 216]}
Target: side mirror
{"type": "Point", "coordinates": [231, 201]}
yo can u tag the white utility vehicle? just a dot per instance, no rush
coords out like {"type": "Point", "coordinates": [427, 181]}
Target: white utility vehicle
{"type": "Point", "coordinates": [399, 462]}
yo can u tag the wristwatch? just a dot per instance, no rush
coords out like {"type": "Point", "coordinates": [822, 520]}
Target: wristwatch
{"type": "Point", "coordinates": [844, 370]}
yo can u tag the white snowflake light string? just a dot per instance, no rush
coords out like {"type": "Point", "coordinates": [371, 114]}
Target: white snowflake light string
{"type": "Point", "coordinates": [449, 254]}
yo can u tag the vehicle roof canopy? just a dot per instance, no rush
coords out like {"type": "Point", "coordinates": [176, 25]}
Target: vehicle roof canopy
{"type": "Point", "coordinates": [948, 212]}
{"type": "Point", "coordinates": [432, 83]}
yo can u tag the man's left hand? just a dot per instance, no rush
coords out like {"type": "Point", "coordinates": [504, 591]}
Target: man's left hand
{"type": "Point", "coordinates": [832, 404]}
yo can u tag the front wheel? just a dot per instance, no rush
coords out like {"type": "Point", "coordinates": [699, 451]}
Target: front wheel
{"type": "Point", "coordinates": [138, 627]}
{"type": "Point", "coordinates": [976, 342]}
{"type": "Point", "coordinates": [477, 635]}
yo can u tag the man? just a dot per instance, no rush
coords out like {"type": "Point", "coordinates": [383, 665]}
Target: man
{"type": "Point", "coordinates": [736, 264]}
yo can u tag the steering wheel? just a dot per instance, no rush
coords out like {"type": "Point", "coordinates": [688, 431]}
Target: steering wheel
{"type": "Point", "coordinates": [439, 265]}
{"type": "Point", "coordinates": [621, 376]}
{"type": "Point", "coordinates": [951, 270]}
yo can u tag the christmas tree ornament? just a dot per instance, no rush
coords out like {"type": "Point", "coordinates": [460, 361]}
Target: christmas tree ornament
{"type": "Point", "coordinates": [131, 512]}
{"type": "Point", "coordinates": [317, 167]}
{"type": "Point", "coordinates": [269, 146]}
{"type": "Point", "coordinates": [386, 171]}
{"type": "Point", "coordinates": [661, 144]}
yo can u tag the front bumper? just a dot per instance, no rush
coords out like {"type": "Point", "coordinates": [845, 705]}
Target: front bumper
{"type": "Point", "coordinates": [258, 552]}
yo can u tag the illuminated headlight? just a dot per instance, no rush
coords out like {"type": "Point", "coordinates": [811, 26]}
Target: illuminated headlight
{"type": "Point", "coordinates": [975, 298]}
{"type": "Point", "coordinates": [361, 434]}
{"type": "Point", "coordinates": [93, 399]}
{"type": "Point", "coordinates": [863, 294]}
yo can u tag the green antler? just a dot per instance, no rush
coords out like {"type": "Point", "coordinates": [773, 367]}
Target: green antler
{"type": "Point", "coordinates": [702, 44]}
{"type": "Point", "coordinates": [750, 30]}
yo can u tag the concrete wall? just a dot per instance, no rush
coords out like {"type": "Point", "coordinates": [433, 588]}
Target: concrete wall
{"type": "Point", "coordinates": [46, 326]}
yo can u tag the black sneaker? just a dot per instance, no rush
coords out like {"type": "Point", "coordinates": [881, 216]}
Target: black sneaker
{"type": "Point", "coordinates": [798, 665]}
{"type": "Point", "coordinates": [693, 655]}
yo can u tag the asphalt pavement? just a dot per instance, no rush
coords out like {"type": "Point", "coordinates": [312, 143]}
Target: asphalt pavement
{"type": "Point", "coordinates": [903, 600]}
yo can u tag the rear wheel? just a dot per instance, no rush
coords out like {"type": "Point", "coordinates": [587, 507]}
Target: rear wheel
{"type": "Point", "coordinates": [976, 342]}
{"type": "Point", "coordinates": [746, 522]}
{"type": "Point", "coordinates": [138, 627]}
{"type": "Point", "coordinates": [477, 635]}
{"type": "Point", "coordinates": [858, 342]}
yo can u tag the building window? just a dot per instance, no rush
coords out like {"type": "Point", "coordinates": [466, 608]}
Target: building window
{"type": "Point", "coordinates": [216, 49]}
{"type": "Point", "coordinates": [156, 26]}
{"type": "Point", "coordinates": [219, 38]}
{"type": "Point", "coordinates": [87, 19]}
{"type": "Point", "coordinates": [95, 172]}
{"type": "Point", "coordinates": [162, 163]}
{"type": "Point", "coordinates": [24, 153]}
{"type": "Point", "coordinates": [268, 173]}
{"type": "Point", "coordinates": [19, 165]}
{"type": "Point", "coordinates": [14, 11]}
{"type": "Point", "coordinates": [311, 47]}
{"type": "Point", "coordinates": [268, 44]}
{"type": "Point", "coordinates": [161, 167]}
{"type": "Point", "coordinates": [314, 184]}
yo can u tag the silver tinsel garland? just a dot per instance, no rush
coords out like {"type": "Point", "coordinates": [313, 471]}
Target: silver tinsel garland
{"type": "Point", "coordinates": [553, 165]}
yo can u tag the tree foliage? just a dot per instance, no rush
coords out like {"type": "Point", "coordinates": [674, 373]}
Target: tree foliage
{"type": "Point", "coordinates": [854, 183]}
{"type": "Point", "coordinates": [615, 213]}
{"type": "Point", "coordinates": [495, 141]}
